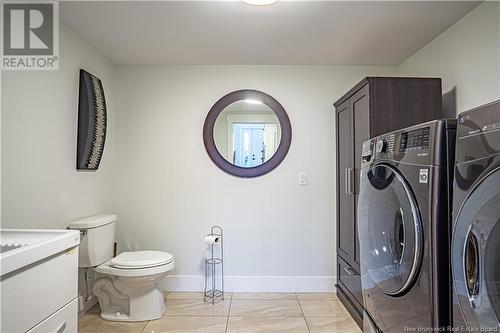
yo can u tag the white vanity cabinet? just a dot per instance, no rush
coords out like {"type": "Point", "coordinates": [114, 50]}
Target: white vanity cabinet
{"type": "Point", "coordinates": [40, 296]}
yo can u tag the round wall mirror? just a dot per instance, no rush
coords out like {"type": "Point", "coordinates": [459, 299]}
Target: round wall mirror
{"type": "Point", "coordinates": [247, 133]}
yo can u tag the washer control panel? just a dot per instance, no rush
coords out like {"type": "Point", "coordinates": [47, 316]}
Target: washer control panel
{"type": "Point", "coordinates": [478, 133]}
{"type": "Point", "coordinates": [422, 144]}
{"type": "Point", "coordinates": [482, 120]}
{"type": "Point", "coordinates": [414, 140]}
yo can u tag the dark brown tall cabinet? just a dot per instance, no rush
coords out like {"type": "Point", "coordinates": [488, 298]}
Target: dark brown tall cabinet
{"type": "Point", "coordinates": [376, 105]}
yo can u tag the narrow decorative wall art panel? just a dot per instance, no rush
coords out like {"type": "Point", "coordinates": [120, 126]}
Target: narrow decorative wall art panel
{"type": "Point", "coordinates": [91, 122]}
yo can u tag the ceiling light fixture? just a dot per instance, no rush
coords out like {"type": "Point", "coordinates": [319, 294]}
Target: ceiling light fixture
{"type": "Point", "coordinates": [260, 2]}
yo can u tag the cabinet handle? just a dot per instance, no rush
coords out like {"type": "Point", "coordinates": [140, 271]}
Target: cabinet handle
{"type": "Point", "coordinates": [61, 328]}
{"type": "Point", "coordinates": [349, 271]}
{"type": "Point", "coordinates": [348, 180]}
{"type": "Point", "coordinates": [351, 190]}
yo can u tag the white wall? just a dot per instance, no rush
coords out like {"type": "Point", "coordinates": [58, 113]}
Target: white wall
{"type": "Point", "coordinates": [40, 185]}
{"type": "Point", "coordinates": [279, 236]}
{"type": "Point", "coordinates": [466, 56]}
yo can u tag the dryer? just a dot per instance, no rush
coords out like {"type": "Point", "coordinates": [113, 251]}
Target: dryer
{"type": "Point", "coordinates": [476, 221]}
{"type": "Point", "coordinates": [404, 222]}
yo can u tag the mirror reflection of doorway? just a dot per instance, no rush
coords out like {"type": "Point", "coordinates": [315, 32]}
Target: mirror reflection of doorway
{"type": "Point", "coordinates": [253, 143]}
{"type": "Point", "coordinates": [247, 133]}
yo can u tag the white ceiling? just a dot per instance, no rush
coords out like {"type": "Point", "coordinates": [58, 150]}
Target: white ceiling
{"type": "Point", "coordinates": [289, 32]}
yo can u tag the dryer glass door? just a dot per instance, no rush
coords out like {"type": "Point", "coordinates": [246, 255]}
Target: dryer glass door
{"type": "Point", "coordinates": [476, 256]}
{"type": "Point", "coordinates": [390, 229]}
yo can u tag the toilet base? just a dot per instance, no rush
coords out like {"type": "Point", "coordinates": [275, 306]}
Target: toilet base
{"type": "Point", "coordinates": [117, 316]}
{"type": "Point", "coordinates": [130, 298]}
{"type": "Point", "coordinates": [144, 308]}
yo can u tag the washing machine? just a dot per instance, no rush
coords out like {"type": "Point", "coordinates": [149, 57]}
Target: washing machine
{"type": "Point", "coordinates": [404, 228]}
{"type": "Point", "coordinates": [476, 221]}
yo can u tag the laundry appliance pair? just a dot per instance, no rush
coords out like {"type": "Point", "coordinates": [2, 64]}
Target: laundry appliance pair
{"type": "Point", "coordinates": [424, 268]}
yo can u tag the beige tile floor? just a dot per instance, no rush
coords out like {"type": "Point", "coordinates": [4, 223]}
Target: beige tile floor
{"type": "Point", "coordinates": [238, 313]}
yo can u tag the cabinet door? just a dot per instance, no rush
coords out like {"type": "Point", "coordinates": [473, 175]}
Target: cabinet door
{"type": "Point", "coordinates": [345, 199]}
{"type": "Point", "coordinates": [361, 115]}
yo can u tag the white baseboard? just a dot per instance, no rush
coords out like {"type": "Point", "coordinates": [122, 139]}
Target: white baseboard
{"type": "Point", "coordinates": [254, 283]}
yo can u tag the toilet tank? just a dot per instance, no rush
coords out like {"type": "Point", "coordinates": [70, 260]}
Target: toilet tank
{"type": "Point", "coordinates": [97, 238]}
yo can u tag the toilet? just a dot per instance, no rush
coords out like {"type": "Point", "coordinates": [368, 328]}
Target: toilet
{"type": "Point", "coordinates": [126, 286]}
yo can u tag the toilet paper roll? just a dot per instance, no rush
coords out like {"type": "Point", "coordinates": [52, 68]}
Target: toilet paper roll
{"type": "Point", "coordinates": [212, 239]}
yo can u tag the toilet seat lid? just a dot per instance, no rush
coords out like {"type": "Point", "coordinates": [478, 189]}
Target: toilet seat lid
{"type": "Point", "coordinates": [141, 259]}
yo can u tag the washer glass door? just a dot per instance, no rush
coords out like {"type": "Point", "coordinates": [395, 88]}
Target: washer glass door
{"type": "Point", "coordinates": [390, 229]}
{"type": "Point", "coordinates": [476, 255]}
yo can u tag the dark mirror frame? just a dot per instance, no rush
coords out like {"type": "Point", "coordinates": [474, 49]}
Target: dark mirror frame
{"type": "Point", "coordinates": [274, 161]}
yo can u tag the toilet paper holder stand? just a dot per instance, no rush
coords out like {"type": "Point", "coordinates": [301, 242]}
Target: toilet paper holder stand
{"type": "Point", "coordinates": [213, 263]}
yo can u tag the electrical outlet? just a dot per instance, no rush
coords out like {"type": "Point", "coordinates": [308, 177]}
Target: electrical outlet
{"type": "Point", "coordinates": [302, 179]}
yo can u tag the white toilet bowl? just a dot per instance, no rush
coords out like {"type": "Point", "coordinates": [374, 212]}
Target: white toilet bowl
{"type": "Point", "coordinates": [127, 286]}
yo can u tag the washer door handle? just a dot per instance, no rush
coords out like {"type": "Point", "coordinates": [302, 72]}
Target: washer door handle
{"type": "Point", "coordinates": [472, 265]}
{"type": "Point", "coordinates": [399, 236]}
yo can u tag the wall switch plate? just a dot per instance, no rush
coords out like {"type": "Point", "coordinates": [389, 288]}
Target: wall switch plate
{"type": "Point", "coordinates": [303, 179]}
